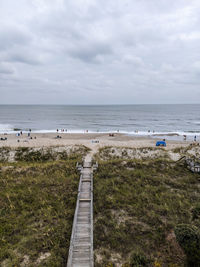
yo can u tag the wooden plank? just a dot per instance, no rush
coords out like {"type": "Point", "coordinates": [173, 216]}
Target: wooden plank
{"type": "Point", "coordinates": [81, 243]}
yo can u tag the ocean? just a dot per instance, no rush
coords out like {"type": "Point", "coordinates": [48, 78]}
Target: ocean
{"type": "Point", "coordinates": [128, 119]}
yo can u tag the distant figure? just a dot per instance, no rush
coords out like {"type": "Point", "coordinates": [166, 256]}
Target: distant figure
{"type": "Point", "coordinates": [21, 133]}
{"type": "Point", "coordinates": [30, 130]}
{"type": "Point", "coordinates": [29, 134]}
{"type": "Point", "coordinates": [3, 139]}
{"type": "Point", "coordinates": [195, 138]}
{"type": "Point", "coordinates": [184, 137]}
{"type": "Point", "coordinates": [57, 130]}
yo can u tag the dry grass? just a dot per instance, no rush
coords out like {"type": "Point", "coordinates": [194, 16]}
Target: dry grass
{"type": "Point", "coordinates": [37, 202]}
{"type": "Point", "coordinates": [137, 205]}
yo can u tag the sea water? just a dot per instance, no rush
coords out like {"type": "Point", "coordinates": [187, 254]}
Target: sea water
{"type": "Point", "coordinates": [128, 119]}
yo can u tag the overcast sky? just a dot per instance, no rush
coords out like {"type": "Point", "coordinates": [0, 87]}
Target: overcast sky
{"type": "Point", "coordinates": [99, 51]}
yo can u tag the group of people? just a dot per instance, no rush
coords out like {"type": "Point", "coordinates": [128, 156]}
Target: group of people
{"type": "Point", "coordinates": [28, 134]}
{"type": "Point", "coordinates": [62, 130]}
{"type": "Point", "coordinates": [65, 130]}
{"type": "Point", "coordinates": [185, 137]}
{"type": "Point", "coordinates": [3, 138]}
{"type": "Point", "coordinates": [21, 133]}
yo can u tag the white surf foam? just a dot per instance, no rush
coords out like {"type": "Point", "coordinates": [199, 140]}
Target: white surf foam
{"type": "Point", "coordinates": [4, 128]}
{"type": "Point", "coordinates": [7, 128]}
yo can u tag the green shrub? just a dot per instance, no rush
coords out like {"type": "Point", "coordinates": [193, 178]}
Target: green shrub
{"type": "Point", "coordinates": [189, 239]}
{"type": "Point", "coordinates": [29, 155]}
{"type": "Point", "coordinates": [138, 260]}
{"type": "Point", "coordinates": [196, 212]}
{"type": "Point", "coordinates": [110, 264]}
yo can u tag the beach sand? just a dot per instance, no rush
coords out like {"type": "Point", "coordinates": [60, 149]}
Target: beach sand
{"type": "Point", "coordinates": [93, 141]}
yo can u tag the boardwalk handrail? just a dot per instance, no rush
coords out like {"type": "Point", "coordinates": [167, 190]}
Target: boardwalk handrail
{"type": "Point", "coordinates": [69, 262]}
{"type": "Point", "coordinates": [91, 218]}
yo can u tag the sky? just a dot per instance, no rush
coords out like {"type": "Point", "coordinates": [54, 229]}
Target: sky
{"type": "Point", "coordinates": [99, 51]}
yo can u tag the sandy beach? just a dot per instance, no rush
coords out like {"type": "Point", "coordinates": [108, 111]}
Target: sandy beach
{"type": "Point", "coordinates": [93, 141]}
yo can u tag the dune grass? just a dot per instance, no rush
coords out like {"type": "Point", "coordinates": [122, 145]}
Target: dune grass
{"type": "Point", "coordinates": [137, 205]}
{"type": "Point", "coordinates": [37, 203]}
{"type": "Point", "coordinates": [41, 154]}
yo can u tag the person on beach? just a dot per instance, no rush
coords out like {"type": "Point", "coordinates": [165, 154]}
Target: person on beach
{"type": "Point", "coordinates": [184, 137]}
{"type": "Point", "coordinates": [195, 138]}
{"type": "Point", "coordinates": [3, 138]}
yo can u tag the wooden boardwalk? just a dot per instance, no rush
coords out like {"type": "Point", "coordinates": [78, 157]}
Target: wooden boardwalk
{"type": "Point", "coordinates": [81, 244]}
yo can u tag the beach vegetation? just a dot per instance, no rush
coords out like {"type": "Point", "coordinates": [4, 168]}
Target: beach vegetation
{"type": "Point", "coordinates": [196, 211]}
{"type": "Point", "coordinates": [138, 205]}
{"type": "Point", "coordinates": [4, 153]}
{"type": "Point", "coordinates": [37, 154]}
{"type": "Point", "coordinates": [108, 153]}
{"type": "Point", "coordinates": [188, 237]}
{"type": "Point", "coordinates": [37, 203]}
{"type": "Point", "coordinates": [191, 150]}
{"type": "Point", "coordinates": [138, 260]}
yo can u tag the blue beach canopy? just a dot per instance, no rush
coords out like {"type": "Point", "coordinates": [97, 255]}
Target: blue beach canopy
{"type": "Point", "coordinates": [161, 143]}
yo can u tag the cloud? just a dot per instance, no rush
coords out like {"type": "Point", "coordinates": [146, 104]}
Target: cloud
{"type": "Point", "coordinates": [11, 36]}
{"type": "Point", "coordinates": [91, 52]}
{"type": "Point", "coordinates": [130, 59]}
{"type": "Point", "coordinates": [23, 57]}
{"type": "Point", "coordinates": [125, 51]}
{"type": "Point", "coordinates": [196, 66]}
{"type": "Point", "coordinates": [6, 69]}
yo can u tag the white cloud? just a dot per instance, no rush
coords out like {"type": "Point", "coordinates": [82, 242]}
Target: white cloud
{"type": "Point", "coordinates": [136, 61]}
{"type": "Point", "coordinates": [6, 69]}
{"type": "Point", "coordinates": [196, 66]}
{"type": "Point", "coordinates": [108, 51]}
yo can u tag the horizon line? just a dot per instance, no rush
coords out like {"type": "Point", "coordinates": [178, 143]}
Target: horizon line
{"type": "Point", "coordinates": [133, 104]}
